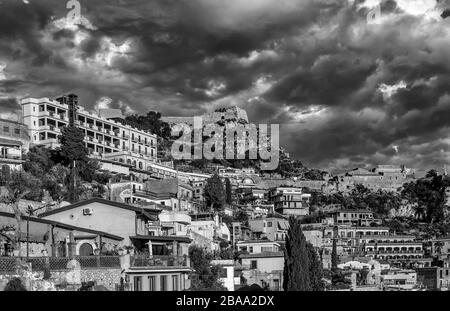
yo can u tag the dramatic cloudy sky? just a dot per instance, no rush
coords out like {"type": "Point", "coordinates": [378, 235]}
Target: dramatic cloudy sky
{"type": "Point", "coordinates": [345, 92]}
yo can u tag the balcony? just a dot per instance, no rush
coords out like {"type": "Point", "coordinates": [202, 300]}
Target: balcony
{"type": "Point", "coordinates": [43, 114]}
{"type": "Point", "coordinates": [140, 261]}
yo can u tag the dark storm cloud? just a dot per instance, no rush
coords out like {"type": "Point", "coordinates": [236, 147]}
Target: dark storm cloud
{"type": "Point", "coordinates": [8, 104]}
{"type": "Point", "coordinates": [315, 67]}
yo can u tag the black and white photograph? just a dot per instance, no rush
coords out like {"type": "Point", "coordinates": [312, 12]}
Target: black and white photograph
{"type": "Point", "coordinates": [227, 151]}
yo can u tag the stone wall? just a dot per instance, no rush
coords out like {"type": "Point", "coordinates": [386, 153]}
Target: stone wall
{"type": "Point", "coordinates": [106, 277]}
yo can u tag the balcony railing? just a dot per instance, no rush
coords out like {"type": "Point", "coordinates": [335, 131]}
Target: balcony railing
{"type": "Point", "coordinates": [8, 264]}
{"type": "Point", "coordinates": [163, 261]}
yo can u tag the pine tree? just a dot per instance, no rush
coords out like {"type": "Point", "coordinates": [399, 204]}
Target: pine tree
{"type": "Point", "coordinates": [296, 260]}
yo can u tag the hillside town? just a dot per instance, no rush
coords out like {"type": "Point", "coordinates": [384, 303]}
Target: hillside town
{"type": "Point", "coordinates": [93, 200]}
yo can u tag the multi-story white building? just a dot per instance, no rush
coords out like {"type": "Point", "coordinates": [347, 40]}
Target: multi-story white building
{"type": "Point", "coordinates": [290, 201]}
{"type": "Point", "coordinates": [111, 140]}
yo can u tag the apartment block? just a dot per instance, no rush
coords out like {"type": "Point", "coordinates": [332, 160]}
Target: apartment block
{"type": "Point", "coordinates": [290, 201]}
{"type": "Point", "coordinates": [109, 140]}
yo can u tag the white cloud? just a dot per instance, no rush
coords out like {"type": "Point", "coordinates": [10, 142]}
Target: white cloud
{"type": "Point", "coordinates": [389, 90]}
{"type": "Point", "coordinates": [2, 71]}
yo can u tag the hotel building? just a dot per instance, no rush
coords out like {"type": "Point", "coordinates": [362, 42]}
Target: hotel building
{"type": "Point", "coordinates": [111, 140]}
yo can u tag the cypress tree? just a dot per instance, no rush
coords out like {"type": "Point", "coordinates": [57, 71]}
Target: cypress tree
{"type": "Point", "coordinates": [214, 193]}
{"type": "Point", "coordinates": [296, 259]}
{"type": "Point", "coordinates": [315, 269]}
{"type": "Point", "coordinates": [228, 198]}
{"type": "Point", "coordinates": [334, 256]}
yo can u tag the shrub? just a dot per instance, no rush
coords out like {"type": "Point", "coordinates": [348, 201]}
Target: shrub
{"type": "Point", "coordinates": [15, 285]}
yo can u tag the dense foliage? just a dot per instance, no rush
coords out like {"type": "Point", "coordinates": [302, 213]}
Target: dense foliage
{"type": "Point", "coordinates": [214, 193]}
{"type": "Point", "coordinates": [428, 195]}
{"type": "Point", "coordinates": [206, 276]}
{"type": "Point", "coordinates": [302, 268]}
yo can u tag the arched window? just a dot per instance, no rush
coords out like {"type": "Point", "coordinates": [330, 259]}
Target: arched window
{"type": "Point", "coordinates": [86, 249]}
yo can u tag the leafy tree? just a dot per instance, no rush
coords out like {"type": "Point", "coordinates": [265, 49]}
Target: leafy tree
{"type": "Point", "coordinates": [428, 196]}
{"type": "Point", "coordinates": [242, 217]}
{"type": "Point", "coordinates": [228, 199]}
{"type": "Point", "coordinates": [151, 122]}
{"type": "Point", "coordinates": [207, 275]}
{"type": "Point", "coordinates": [313, 174]}
{"type": "Point", "coordinates": [38, 160]}
{"type": "Point", "coordinates": [22, 185]}
{"type": "Point", "coordinates": [214, 193]}
{"type": "Point", "coordinates": [296, 259]}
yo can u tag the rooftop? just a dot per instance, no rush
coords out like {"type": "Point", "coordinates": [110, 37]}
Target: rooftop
{"type": "Point", "coordinates": [149, 213]}
{"type": "Point", "coordinates": [263, 255]}
{"type": "Point", "coordinates": [64, 226]}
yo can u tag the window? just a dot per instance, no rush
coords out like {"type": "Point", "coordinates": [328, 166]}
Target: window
{"type": "Point", "coordinates": [152, 283]}
{"type": "Point", "coordinates": [175, 282]}
{"type": "Point", "coordinates": [276, 284]}
{"type": "Point", "coordinates": [17, 131]}
{"type": "Point", "coordinates": [253, 264]}
{"type": "Point", "coordinates": [137, 283]}
{"type": "Point", "coordinates": [269, 224]}
{"type": "Point", "coordinates": [251, 249]}
{"type": "Point", "coordinates": [163, 283]}
{"type": "Point", "coordinates": [6, 129]}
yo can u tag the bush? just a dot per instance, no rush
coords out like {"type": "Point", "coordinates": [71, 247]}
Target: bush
{"type": "Point", "coordinates": [15, 285]}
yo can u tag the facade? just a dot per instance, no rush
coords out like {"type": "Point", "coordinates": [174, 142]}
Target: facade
{"type": "Point", "coordinates": [114, 218]}
{"type": "Point", "coordinates": [384, 177]}
{"type": "Point", "coordinates": [274, 228]}
{"type": "Point", "coordinates": [392, 247]}
{"type": "Point", "coordinates": [174, 223]}
{"type": "Point", "coordinates": [259, 246]}
{"type": "Point", "coordinates": [158, 278]}
{"type": "Point", "coordinates": [211, 229]}
{"type": "Point", "coordinates": [434, 277]}
{"type": "Point", "coordinates": [227, 273]}
{"type": "Point", "coordinates": [63, 239]}
{"type": "Point", "coordinates": [351, 218]}
{"type": "Point", "coordinates": [440, 248]}
{"type": "Point", "coordinates": [290, 201]}
{"type": "Point", "coordinates": [264, 269]}
{"type": "Point", "coordinates": [399, 279]}
{"type": "Point", "coordinates": [107, 139]}
{"type": "Point", "coordinates": [14, 141]}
